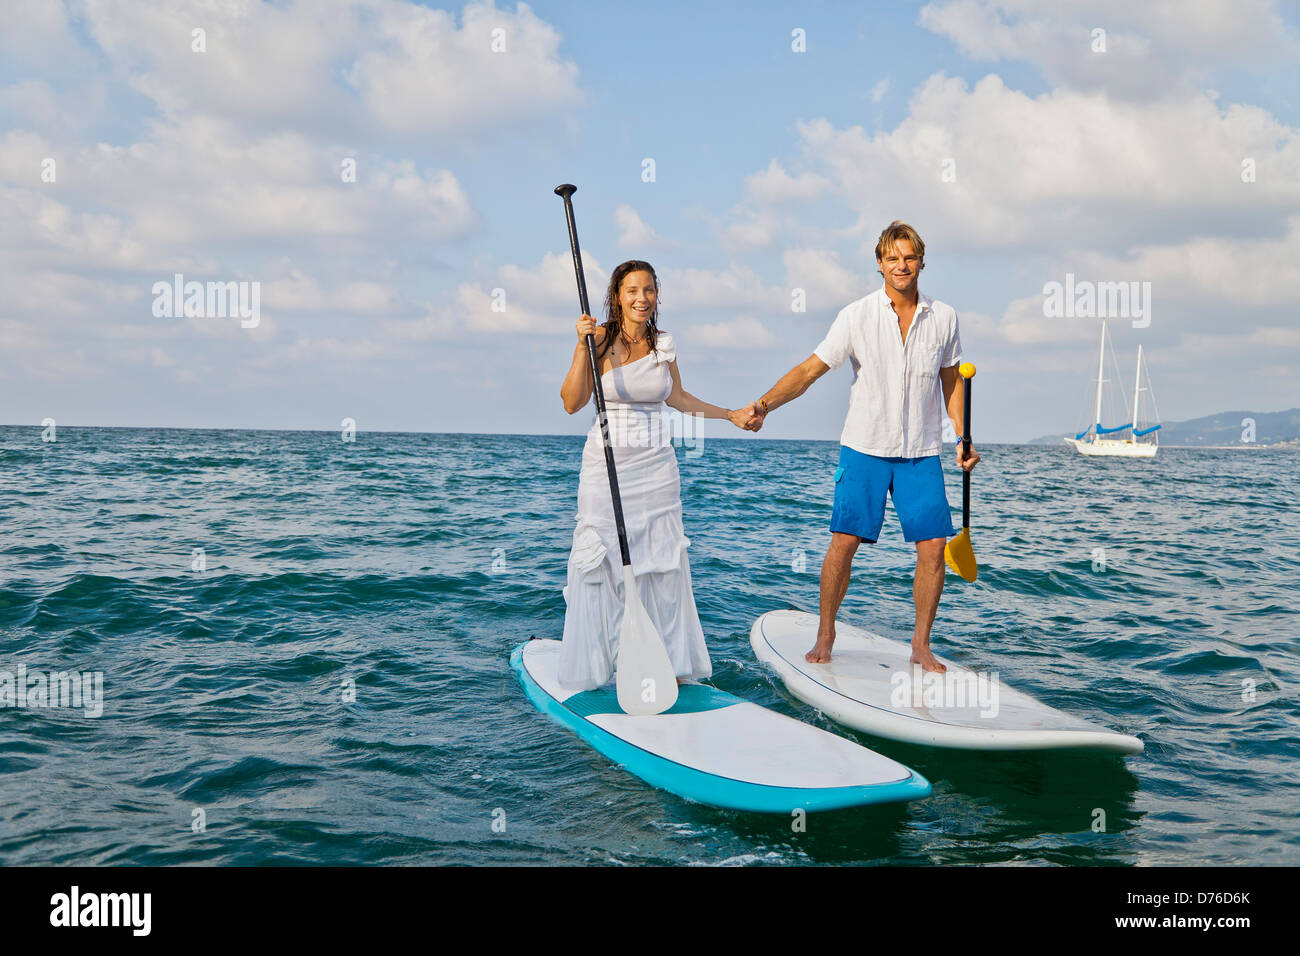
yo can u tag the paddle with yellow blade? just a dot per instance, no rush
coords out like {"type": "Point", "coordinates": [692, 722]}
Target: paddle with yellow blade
{"type": "Point", "coordinates": [958, 553]}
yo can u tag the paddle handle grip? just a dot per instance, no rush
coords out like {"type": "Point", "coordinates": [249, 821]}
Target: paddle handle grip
{"type": "Point", "coordinates": [566, 192]}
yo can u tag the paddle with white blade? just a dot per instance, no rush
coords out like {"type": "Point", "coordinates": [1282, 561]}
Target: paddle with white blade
{"type": "Point", "coordinates": [647, 682]}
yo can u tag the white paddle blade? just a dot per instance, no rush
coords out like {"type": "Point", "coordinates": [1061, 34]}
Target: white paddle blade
{"type": "Point", "coordinates": [647, 683]}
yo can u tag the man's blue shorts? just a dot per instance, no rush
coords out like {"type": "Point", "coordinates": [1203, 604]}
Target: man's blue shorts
{"type": "Point", "coordinates": [916, 484]}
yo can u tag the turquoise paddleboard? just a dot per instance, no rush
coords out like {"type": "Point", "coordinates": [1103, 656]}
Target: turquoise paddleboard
{"type": "Point", "coordinates": [715, 748]}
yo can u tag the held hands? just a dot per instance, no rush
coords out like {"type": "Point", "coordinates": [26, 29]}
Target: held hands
{"type": "Point", "coordinates": [749, 418]}
{"type": "Point", "coordinates": [966, 464]}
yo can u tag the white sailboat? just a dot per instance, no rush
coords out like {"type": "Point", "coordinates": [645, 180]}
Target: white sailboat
{"type": "Point", "coordinates": [1091, 440]}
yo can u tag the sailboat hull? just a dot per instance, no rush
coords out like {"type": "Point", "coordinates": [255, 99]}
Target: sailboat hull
{"type": "Point", "coordinates": [1114, 448]}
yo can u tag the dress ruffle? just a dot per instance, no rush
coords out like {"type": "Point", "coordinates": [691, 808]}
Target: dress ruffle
{"type": "Point", "coordinates": [665, 349]}
{"type": "Point", "coordinates": [594, 602]}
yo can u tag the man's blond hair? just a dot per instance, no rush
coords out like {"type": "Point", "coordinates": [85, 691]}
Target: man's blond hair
{"type": "Point", "coordinates": [895, 231]}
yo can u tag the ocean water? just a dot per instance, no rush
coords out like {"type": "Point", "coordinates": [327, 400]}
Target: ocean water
{"type": "Point", "coordinates": [326, 681]}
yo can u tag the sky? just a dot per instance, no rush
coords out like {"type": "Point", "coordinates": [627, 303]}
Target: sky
{"type": "Point", "coordinates": [381, 172]}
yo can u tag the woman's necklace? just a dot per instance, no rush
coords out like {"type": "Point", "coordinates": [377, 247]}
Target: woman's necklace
{"type": "Point", "coordinates": [627, 344]}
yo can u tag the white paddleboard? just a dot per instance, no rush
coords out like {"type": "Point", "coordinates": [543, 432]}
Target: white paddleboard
{"type": "Point", "coordinates": [716, 748]}
{"type": "Point", "coordinates": [870, 685]}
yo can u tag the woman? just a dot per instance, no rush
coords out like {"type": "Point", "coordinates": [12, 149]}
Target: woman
{"type": "Point", "coordinates": [638, 365]}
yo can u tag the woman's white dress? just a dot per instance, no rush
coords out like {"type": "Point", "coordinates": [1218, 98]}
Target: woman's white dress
{"type": "Point", "coordinates": [650, 489]}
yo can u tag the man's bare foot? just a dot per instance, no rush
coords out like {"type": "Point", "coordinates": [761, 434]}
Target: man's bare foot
{"type": "Point", "coordinates": [927, 660]}
{"type": "Point", "coordinates": [821, 652]}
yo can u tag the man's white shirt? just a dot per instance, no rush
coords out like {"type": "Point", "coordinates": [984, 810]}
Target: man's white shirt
{"type": "Point", "coordinates": [896, 403]}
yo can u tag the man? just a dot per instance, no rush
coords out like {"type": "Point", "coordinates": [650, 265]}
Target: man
{"type": "Point", "coordinates": [902, 345]}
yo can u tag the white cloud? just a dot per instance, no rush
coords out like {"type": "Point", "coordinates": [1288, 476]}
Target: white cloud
{"type": "Point", "coordinates": [551, 284]}
{"type": "Point", "coordinates": [1261, 342]}
{"type": "Point", "coordinates": [419, 79]}
{"type": "Point", "coordinates": [1024, 324]}
{"type": "Point", "coordinates": [742, 333]}
{"type": "Point", "coordinates": [37, 32]}
{"type": "Point", "coordinates": [18, 337]}
{"type": "Point", "coordinates": [201, 180]}
{"type": "Point", "coordinates": [228, 330]}
{"type": "Point", "coordinates": [542, 300]}
{"type": "Point", "coordinates": [775, 185]}
{"type": "Point", "coordinates": [633, 233]}
{"type": "Point", "coordinates": [687, 290]}
{"type": "Point", "coordinates": [1060, 170]}
{"type": "Point", "coordinates": [1223, 272]}
{"type": "Point", "coordinates": [434, 324]}
{"type": "Point", "coordinates": [756, 231]}
{"type": "Point", "coordinates": [827, 283]}
{"type": "Point", "coordinates": [301, 292]}
{"type": "Point", "coordinates": [314, 350]}
{"type": "Point", "coordinates": [536, 300]}
{"type": "Point", "coordinates": [522, 313]}
{"type": "Point", "coordinates": [364, 66]}
{"type": "Point", "coordinates": [1150, 48]}
{"type": "Point", "coordinates": [43, 232]}
{"type": "Point", "coordinates": [34, 103]}
{"type": "Point", "coordinates": [229, 167]}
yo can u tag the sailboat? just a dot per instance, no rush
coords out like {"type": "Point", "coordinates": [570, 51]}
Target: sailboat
{"type": "Point", "coordinates": [1091, 442]}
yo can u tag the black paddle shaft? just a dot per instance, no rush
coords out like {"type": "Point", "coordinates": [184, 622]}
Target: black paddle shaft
{"type": "Point", "coordinates": [965, 446]}
{"type": "Point", "coordinates": [566, 192]}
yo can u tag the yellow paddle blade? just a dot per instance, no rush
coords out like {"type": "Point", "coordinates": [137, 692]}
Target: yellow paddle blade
{"type": "Point", "coordinates": [960, 556]}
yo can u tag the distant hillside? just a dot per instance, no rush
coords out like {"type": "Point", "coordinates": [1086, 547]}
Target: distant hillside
{"type": "Point", "coordinates": [1225, 428]}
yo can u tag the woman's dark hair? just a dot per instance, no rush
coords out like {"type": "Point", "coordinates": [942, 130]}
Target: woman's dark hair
{"type": "Point", "coordinates": [613, 325]}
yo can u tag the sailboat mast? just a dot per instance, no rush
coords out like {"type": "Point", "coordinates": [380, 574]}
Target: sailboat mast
{"type": "Point", "coordinates": [1101, 359]}
{"type": "Point", "coordinates": [1137, 387]}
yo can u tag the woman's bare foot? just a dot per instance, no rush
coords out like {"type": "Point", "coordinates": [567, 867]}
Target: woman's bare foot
{"type": "Point", "coordinates": [927, 660]}
{"type": "Point", "coordinates": [821, 652]}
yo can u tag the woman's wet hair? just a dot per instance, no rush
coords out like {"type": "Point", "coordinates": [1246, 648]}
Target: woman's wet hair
{"type": "Point", "coordinates": [613, 324]}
